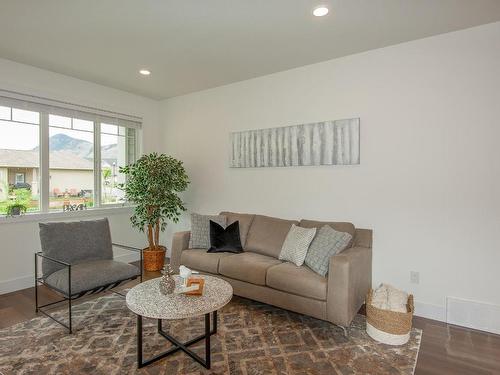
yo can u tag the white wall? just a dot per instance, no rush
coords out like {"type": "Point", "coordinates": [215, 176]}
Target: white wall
{"type": "Point", "coordinates": [18, 241]}
{"type": "Point", "coordinates": [429, 178]}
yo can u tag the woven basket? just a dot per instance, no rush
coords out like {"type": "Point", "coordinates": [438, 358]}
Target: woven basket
{"type": "Point", "coordinates": [389, 327]}
{"type": "Point", "coordinates": [154, 260]}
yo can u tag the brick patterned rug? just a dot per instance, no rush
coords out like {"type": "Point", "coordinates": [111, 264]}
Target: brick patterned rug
{"type": "Point", "coordinates": [252, 338]}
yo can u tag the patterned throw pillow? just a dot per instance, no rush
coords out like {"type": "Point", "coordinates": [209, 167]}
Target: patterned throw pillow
{"type": "Point", "coordinates": [328, 242]}
{"type": "Point", "coordinates": [200, 229]}
{"type": "Point", "coordinates": [296, 243]}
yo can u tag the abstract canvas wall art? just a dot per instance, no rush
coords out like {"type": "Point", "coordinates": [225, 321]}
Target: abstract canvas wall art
{"type": "Point", "coordinates": [321, 143]}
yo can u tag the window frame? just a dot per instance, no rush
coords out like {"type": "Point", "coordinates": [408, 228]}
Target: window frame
{"type": "Point", "coordinates": [44, 158]}
{"type": "Point", "coordinates": [97, 151]}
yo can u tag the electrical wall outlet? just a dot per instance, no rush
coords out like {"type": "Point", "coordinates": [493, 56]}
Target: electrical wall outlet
{"type": "Point", "coordinates": [414, 277]}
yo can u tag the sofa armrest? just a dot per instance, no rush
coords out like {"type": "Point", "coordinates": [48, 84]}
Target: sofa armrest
{"type": "Point", "coordinates": [349, 280]}
{"type": "Point", "coordinates": [180, 242]}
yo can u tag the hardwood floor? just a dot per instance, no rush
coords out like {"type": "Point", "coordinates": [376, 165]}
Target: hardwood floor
{"type": "Point", "coordinates": [448, 349]}
{"type": "Point", "coordinates": [445, 349]}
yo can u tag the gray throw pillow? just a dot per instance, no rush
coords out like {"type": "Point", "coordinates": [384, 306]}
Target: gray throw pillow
{"type": "Point", "coordinates": [200, 229]}
{"type": "Point", "coordinates": [328, 242]}
{"type": "Point", "coordinates": [296, 243]}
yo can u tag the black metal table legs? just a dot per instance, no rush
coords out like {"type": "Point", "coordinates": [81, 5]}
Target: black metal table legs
{"type": "Point", "coordinates": [177, 344]}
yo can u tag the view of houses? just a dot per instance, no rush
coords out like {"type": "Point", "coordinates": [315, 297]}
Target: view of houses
{"type": "Point", "coordinates": [71, 174]}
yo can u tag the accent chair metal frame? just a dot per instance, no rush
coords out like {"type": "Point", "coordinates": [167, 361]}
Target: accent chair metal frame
{"type": "Point", "coordinates": [69, 296]}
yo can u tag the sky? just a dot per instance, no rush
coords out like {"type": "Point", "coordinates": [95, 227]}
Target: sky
{"type": "Point", "coordinates": [15, 136]}
{"type": "Point", "coordinates": [20, 136]}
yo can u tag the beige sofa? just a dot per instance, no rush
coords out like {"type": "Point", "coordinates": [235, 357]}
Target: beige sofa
{"type": "Point", "coordinates": [259, 275]}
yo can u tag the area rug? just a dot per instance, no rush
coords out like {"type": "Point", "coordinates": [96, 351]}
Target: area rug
{"type": "Point", "coordinates": [252, 339]}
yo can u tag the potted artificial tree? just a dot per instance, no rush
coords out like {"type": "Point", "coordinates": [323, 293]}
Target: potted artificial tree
{"type": "Point", "coordinates": [152, 184]}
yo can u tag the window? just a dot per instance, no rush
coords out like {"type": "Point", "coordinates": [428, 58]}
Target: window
{"type": "Point", "coordinates": [19, 159]}
{"type": "Point", "coordinates": [60, 159]}
{"type": "Point", "coordinates": [71, 163]}
{"type": "Point", "coordinates": [20, 178]}
{"type": "Point", "coordinates": [117, 150]}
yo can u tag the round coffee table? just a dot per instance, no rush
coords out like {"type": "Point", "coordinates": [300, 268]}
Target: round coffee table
{"type": "Point", "coordinates": [145, 300]}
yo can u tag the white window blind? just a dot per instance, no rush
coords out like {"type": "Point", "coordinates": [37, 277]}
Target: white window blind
{"type": "Point", "coordinates": [33, 103]}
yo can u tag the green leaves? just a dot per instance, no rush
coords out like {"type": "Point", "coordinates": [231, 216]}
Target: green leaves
{"type": "Point", "coordinates": [153, 184]}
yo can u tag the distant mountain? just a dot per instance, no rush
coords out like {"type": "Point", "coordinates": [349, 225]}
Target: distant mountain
{"type": "Point", "coordinates": [108, 151]}
{"type": "Point", "coordinates": [63, 142]}
{"type": "Point", "coordinates": [80, 147]}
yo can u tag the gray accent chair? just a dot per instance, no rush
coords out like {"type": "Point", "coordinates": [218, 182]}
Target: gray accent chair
{"type": "Point", "coordinates": [77, 259]}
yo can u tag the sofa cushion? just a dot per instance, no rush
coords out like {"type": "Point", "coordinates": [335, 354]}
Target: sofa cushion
{"type": "Point", "coordinates": [249, 267]}
{"type": "Point", "coordinates": [200, 260]}
{"type": "Point", "coordinates": [73, 242]}
{"type": "Point", "coordinates": [301, 281]}
{"type": "Point", "coordinates": [92, 274]}
{"type": "Point", "coordinates": [245, 221]}
{"type": "Point", "coordinates": [337, 225]}
{"type": "Point", "coordinates": [297, 242]}
{"type": "Point", "coordinates": [225, 239]}
{"type": "Point", "coordinates": [267, 234]}
{"type": "Point", "coordinates": [200, 229]}
{"type": "Point", "coordinates": [327, 243]}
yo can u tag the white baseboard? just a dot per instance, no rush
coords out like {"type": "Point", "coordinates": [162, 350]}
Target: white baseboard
{"type": "Point", "coordinates": [23, 282]}
{"type": "Point", "coordinates": [11, 285]}
{"type": "Point", "coordinates": [465, 313]}
{"type": "Point", "coordinates": [473, 314]}
{"type": "Point", "coordinates": [429, 311]}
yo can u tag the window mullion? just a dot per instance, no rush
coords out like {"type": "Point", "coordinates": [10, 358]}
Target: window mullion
{"type": "Point", "coordinates": [44, 162]}
{"type": "Point", "coordinates": [97, 164]}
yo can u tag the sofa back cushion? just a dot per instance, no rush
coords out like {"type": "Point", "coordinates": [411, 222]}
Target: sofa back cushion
{"type": "Point", "coordinates": [339, 226]}
{"type": "Point", "coordinates": [74, 242]}
{"type": "Point", "coordinates": [267, 234]}
{"type": "Point", "coordinates": [245, 221]}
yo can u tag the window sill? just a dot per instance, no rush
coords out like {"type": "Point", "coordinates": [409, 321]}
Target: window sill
{"type": "Point", "coordinates": [43, 216]}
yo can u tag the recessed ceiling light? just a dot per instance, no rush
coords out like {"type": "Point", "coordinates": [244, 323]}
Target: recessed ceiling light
{"type": "Point", "coordinates": [144, 72]}
{"type": "Point", "coordinates": [320, 11]}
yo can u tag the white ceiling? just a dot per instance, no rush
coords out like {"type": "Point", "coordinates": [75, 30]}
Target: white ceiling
{"type": "Point", "coordinates": [191, 45]}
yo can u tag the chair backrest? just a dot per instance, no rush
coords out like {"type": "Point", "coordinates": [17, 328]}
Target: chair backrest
{"type": "Point", "coordinates": [74, 242]}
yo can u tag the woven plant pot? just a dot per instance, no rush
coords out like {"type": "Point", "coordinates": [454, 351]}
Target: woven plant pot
{"type": "Point", "coordinates": [154, 260]}
{"type": "Point", "coordinates": [389, 327]}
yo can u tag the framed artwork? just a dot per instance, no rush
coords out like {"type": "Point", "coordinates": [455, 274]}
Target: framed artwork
{"type": "Point", "coordinates": [320, 143]}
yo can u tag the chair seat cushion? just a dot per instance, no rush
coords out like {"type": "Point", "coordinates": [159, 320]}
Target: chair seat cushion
{"type": "Point", "coordinates": [90, 275]}
{"type": "Point", "coordinates": [200, 260]}
{"type": "Point", "coordinates": [249, 267]}
{"type": "Point", "coordinates": [301, 281]}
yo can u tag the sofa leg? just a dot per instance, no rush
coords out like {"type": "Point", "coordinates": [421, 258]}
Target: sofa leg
{"type": "Point", "coordinates": [346, 331]}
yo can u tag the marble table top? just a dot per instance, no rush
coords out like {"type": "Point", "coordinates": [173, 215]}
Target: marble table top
{"type": "Point", "coordinates": [146, 299]}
